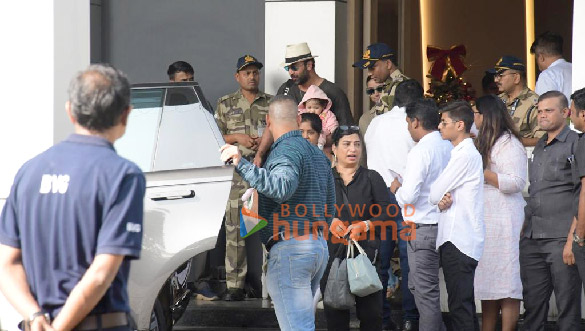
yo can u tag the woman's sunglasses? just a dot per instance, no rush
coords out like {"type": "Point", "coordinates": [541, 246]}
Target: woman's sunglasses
{"type": "Point", "coordinates": [372, 90]}
{"type": "Point", "coordinates": [351, 128]}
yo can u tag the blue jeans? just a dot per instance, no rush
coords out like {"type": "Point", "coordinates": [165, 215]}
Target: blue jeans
{"type": "Point", "coordinates": [386, 251]}
{"type": "Point", "coordinates": [295, 268]}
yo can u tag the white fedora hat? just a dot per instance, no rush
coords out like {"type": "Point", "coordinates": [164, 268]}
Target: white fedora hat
{"type": "Point", "coordinates": [296, 53]}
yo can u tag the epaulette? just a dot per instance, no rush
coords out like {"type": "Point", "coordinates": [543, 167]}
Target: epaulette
{"type": "Point", "coordinates": [227, 97]}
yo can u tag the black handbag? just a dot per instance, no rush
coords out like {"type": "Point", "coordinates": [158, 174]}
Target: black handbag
{"type": "Point", "coordinates": [337, 294]}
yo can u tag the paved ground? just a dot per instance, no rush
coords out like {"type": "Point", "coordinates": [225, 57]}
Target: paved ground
{"type": "Point", "coordinates": [257, 315]}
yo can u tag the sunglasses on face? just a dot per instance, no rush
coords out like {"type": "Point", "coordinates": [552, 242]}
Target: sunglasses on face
{"type": "Point", "coordinates": [350, 129]}
{"type": "Point", "coordinates": [502, 74]}
{"type": "Point", "coordinates": [372, 90]}
{"type": "Point", "coordinates": [293, 67]}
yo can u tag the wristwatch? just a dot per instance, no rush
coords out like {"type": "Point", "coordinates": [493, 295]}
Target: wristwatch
{"type": "Point", "coordinates": [577, 239]}
{"type": "Point", "coordinates": [39, 313]}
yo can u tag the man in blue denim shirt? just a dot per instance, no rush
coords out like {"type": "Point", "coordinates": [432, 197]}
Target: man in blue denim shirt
{"type": "Point", "coordinates": [296, 196]}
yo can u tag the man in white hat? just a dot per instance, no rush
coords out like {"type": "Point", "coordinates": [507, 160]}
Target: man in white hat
{"type": "Point", "coordinates": [300, 64]}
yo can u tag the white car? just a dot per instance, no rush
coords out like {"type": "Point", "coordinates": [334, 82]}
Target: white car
{"type": "Point", "coordinates": [173, 138]}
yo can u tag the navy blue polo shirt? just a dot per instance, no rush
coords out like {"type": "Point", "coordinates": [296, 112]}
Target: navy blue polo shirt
{"type": "Point", "coordinates": [74, 201]}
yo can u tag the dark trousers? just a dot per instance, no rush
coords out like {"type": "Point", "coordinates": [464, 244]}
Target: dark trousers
{"type": "Point", "coordinates": [579, 252]}
{"type": "Point", "coordinates": [542, 270]}
{"type": "Point", "coordinates": [386, 251]}
{"type": "Point", "coordinates": [459, 272]}
{"type": "Point", "coordinates": [369, 313]}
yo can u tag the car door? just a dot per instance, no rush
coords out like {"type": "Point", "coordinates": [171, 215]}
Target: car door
{"type": "Point", "coordinates": [174, 139]}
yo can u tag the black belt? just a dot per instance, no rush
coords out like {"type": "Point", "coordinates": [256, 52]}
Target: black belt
{"type": "Point", "coordinates": [425, 225]}
{"type": "Point", "coordinates": [102, 321]}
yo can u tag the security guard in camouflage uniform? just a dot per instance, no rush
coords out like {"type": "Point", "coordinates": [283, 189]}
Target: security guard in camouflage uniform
{"type": "Point", "coordinates": [510, 77]}
{"type": "Point", "coordinates": [241, 117]}
{"type": "Point", "coordinates": [380, 61]}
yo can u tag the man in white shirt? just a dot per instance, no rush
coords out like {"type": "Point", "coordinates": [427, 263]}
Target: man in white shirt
{"type": "Point", "coordinates": [424, 163]}
{"type": "Point", "coordinates": [556, 72]}
{"type": "Point", "coordinates": [388, 143]}
{"type": "Point", "coordinates": [461, 229]}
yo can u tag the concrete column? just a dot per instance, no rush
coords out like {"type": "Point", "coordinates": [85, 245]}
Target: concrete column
{"type": "Point", "coordinates": [578, 46]}
{"type": "Point", "coordinates": [322, 24]}
{"type": "Point", "coordinates": [44, 43]}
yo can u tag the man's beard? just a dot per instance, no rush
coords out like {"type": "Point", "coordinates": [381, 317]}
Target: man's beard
{"type": "Point", "coordinates": [302, 78]}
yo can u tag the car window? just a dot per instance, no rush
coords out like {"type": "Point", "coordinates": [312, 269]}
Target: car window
{"type": "Point", "coordinates": [180, 96]}
{"type": "Point", "coordinates": [139, 142]}
{"type": "Point", "coordinates": [182, 134]}
{"type": "Point", "coordinates": [187, 139]}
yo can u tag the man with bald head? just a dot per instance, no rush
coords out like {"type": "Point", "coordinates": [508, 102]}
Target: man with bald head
{"type": "Point", "coordinates": [296, 196]}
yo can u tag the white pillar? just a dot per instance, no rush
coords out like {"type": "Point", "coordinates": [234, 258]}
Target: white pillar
{"type": "Point", "coordinates": [44, 43]}
{"type": "Point", "coordinates": [322, 24]}
{"type": "Point", "coordinates": [578, 45]}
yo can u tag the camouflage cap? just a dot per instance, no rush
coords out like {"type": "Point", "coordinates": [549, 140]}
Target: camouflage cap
{"type": "Point", "coordinates": [247, 60]}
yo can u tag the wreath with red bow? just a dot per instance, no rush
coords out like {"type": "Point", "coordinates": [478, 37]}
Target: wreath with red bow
{"type": "Point", "coordinates": [447, 66]}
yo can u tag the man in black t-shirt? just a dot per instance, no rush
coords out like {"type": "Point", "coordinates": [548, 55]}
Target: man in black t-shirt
{"type": "Point", "coordinates": [73, 220]}
{"type": "Point", "coordinates": [300, 64]}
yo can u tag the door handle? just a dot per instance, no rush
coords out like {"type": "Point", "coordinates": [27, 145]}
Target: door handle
{"type": "Point", "coordinates": [172, 195]}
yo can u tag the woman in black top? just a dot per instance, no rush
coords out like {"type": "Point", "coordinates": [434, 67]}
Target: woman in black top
{"type": "Point", "coordinates": [368, 199]}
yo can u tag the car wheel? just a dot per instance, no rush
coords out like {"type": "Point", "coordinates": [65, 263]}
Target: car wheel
{"type": "Point", "coordinates": [157, 318]}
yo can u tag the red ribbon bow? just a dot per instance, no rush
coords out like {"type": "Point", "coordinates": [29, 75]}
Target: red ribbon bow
{"type": "Point", "coordinates": [442, 58]}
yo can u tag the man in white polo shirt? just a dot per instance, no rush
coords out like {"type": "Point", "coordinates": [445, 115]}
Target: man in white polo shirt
{"type": "Point", "coordinates": [424, 163]}
{"type": "Point", "coordinates": [461, 228]}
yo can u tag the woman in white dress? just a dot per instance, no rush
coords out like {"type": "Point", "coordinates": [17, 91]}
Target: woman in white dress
{"type": "Point", "coordinates": [497, 277]}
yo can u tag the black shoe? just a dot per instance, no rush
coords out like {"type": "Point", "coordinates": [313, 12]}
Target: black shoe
{"type": "Point", "coordinates": [234, 294]}
{"type": "Point", "coordinates": [410, 325]}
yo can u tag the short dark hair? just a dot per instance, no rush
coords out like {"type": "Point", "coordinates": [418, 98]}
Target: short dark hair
{"type": "Point", "coordinates": [555, 94]}
{"type": "Point", "coordinates": [98, 96]}
{"type": "Point", "coordinates": [178, 67]}
{"type": "Point", "coordinates": [578, 98]}
{"type": "Point", "coordinates": [314, 120]}
{"type": "Point", "coordinates": [459, 110]}
{"type": "Point", "coordinates": [406, 92]}
{"type": "Point", "coordinates": [368, 79]}
{"type": "Point", "coordinates": [344, 130]}
{"type": "Point", "coordinates": [426, 111]}
{"type": "Point", "coordinates": [548, 43]}
{"type": "Point", "coordinates": [394, 59]}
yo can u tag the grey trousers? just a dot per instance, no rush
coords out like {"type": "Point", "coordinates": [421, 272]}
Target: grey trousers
{"type": "Point", "coordinates": [542, 270]}
{"type": "Point", "coordinates": [423, 279]}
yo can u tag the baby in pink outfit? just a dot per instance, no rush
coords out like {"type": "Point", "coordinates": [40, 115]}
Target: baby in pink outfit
{"type": "Point", "coordinates": [316, 101]}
